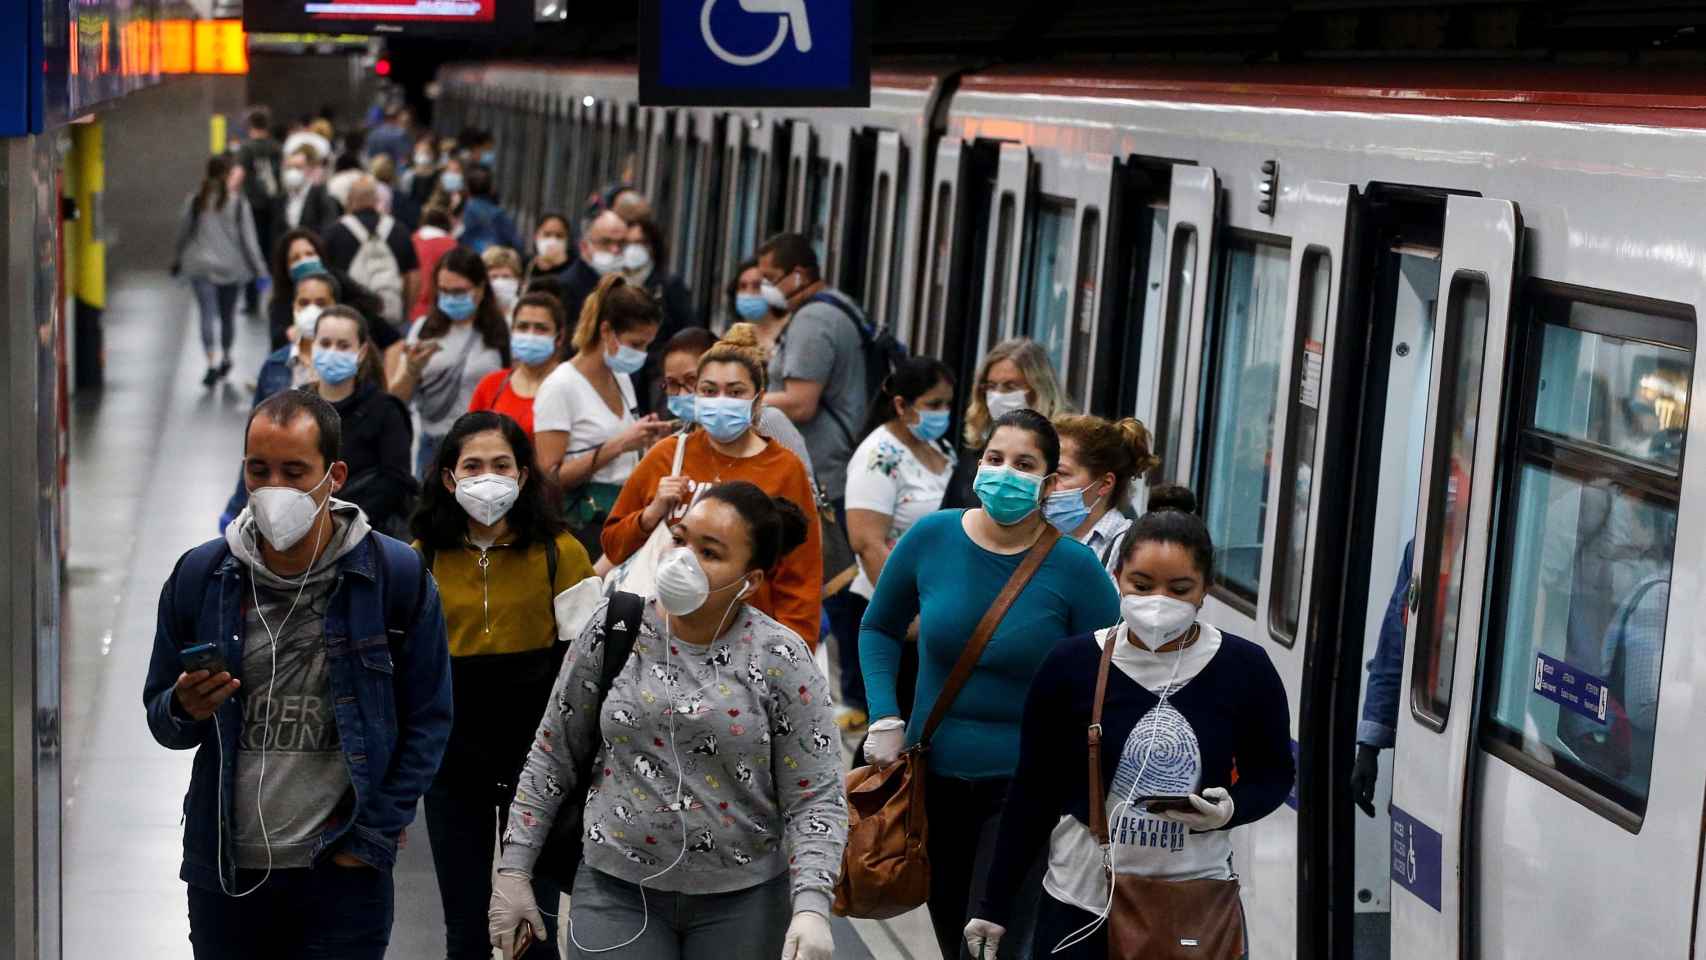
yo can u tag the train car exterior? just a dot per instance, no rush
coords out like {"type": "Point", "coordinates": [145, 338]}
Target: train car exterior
{"type": "Point", "coordinates": [1361, 310]}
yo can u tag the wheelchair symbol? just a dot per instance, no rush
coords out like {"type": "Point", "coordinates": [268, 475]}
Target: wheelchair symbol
{"type": "Point", "coordinates": [788, 11]}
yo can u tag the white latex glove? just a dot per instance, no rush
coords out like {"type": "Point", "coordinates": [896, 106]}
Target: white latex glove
{"type": "Point", "coordinates": [512, 905]}
{"type": "Point", "coordinates": [884, 740]}
{"type": "Point", "coordinates": [983, 939]}
{"type": "Point", "coordinates": [809, 938]}
{"type": "Point", "coordinates": [1213, 811]}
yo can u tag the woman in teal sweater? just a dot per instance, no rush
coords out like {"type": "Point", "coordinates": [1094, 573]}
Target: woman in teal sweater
{"type": "Point", "coordinates": [946, 571]}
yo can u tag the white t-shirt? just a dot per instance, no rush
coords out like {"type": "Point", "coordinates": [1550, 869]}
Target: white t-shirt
{"type": "Point", "coordinates": [481, 361]}
{"type": "Point", "coordinates": [883, 476]}
{"type": "Point", "coordinates": [568, 401]}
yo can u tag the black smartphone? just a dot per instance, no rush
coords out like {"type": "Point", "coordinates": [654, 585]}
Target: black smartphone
{"type": "Point", "coordinates": [1171, 803]}
{"type": "Point", "coordinates": [204, 656]}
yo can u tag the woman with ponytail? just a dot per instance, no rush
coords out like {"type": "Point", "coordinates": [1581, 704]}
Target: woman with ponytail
{"type": "Point", "coordinates": [1099, 462]}
{"type": "Point", "coordinates": [585, 423]}
{"type": "Point", "coordinates": [218, 252]}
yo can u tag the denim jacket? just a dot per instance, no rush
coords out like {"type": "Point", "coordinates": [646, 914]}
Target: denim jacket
{"type": "Point", "coordinates": [1379, 726]}
{"type": "Point", "coordinates": [393, 714]}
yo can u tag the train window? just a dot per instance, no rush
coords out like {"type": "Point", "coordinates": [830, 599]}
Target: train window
{"type": "Point", "coordinates": [878, 248]}
{"type": "Point", "coordinates": [939, 254]}
{"type": "Point", "coordinates": [897, 247]}
{"type": "Point", "coordinates": [746, 203]}
{"type": "Point", "coordinates": [1241, 380]}
{"type": "Point", "coordinates": [1297, 480]}
{"type": "Point", "coordinates": [1580, 611]}
{"type": "Point", "coordinates": [1048, 301]}
{"type": "Point", "coordinates": [998, 283]}
{"type": "Point", "coordinates": [1083, 320]}
{"type": "Point", "coordinates": [1440, 587]}
{"type": "Point", "coordinates": [817, 207]}
{"type": "Point", "coordinates": [692, 203]}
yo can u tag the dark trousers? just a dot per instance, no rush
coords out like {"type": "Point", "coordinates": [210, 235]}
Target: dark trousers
{"type": "Point", "coordinates": [1058, 921]}
{"type": "Point", "coordinates": [845, 610]}
{"type": "Point", "coordinates": [464, 816]}
{"type": "Point", "coordinates": [965, 817]}
{"type": "Point", "coordinates": [325, 912]}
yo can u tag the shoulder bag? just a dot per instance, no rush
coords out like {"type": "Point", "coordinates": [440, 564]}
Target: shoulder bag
{"type": "Point", "coordinates": [638, 573]}
{"type": "Point", "coordinates": [885, 868]}
{"type": "Point", "coordinates": [1151, 918]}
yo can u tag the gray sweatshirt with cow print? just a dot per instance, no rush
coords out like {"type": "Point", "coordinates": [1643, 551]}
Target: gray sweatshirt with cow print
{"type": "Point", "coordinates": [747, 728]}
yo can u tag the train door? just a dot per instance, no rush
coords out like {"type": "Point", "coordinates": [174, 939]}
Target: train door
{"type": "Point", "coordinates": [887, 246]}
{"type": "Point", "coordinates": [1131, 292]}
{"type": "Point", "coordinates": [743, 197]}
{"type": "Point", "coordinates": [802, 144]}
{"type": "Point", "coordinates": [962, 187]}
{"type": "Point", "coordinates": [1002, 262]}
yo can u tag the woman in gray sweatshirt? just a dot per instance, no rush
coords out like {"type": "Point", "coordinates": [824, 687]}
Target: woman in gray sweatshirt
{"type": "Point", "coordinates": [714, 822]}
{"type": "Point", "coordinates": [219, 253]}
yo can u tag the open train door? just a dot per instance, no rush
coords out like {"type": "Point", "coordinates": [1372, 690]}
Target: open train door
{"type": "Point", "coordinates": [1466, 383]}
{"type": "Point", "coordinates": [1168, 376]}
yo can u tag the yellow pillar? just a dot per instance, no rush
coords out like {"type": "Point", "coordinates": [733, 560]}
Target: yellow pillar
{"type": "Point", "coordinates": [88, 181]}
{"type": "Point", "coordinates": [216, 134]}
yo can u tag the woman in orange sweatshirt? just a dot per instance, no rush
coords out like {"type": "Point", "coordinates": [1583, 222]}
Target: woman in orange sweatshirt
{"type": "Point", "coordinates": [727, 447]}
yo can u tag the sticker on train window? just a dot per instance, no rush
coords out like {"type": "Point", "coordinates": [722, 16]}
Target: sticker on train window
{"type": "Point", "coordinates": [1309, 388]}
{"type": "Point", "coordinates": [1571, 687]}
{"type": "Point", "coordinates": [1415, 857]}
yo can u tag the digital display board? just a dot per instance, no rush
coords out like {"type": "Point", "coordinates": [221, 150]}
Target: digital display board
{"type": "Point", "coordinates": [412, 17]}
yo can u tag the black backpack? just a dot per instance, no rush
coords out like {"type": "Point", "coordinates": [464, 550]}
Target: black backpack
{"type": "Point", "coordinates": [882, 349]}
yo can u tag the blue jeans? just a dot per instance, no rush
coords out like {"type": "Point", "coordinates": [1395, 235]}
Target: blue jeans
{"type": "Point", "coordinates": [606, 911]}
{"type": "Point", "coordinates": [845, 610]}
{"type": "Point", "coordinates": [325, 912]}
{"type": "Point", "coordinates": [218, 305]}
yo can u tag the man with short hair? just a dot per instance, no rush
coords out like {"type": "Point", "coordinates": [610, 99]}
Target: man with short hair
{"type": "Point", "coordinates": [304, 658]}
{"type": "Point", "coordinates": [395, 280]}
{"type": "Point", "coordinates": [306, 203]}
{"type": "Point", "coordinates": [602, 239]}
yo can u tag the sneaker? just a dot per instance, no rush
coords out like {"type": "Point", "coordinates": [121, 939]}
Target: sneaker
{"type": "Point", "coordinates": [224, 367]}
{"type": "Point", "coordinates": [211, 377]}
{"type": "Point", "coordinates": [851, 720]}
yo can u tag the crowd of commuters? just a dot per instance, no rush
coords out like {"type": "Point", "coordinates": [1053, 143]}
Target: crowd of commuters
{"type": "Point", "coordinates": [469, 448]}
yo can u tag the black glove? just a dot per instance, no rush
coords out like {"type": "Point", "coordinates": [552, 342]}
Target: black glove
{"type": "Point", "coordinates": [1364, 776]}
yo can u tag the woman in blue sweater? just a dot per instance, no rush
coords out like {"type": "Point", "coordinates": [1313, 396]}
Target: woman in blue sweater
{"type": "Point", "coordinates": [1183, 702]}
{"type": "Point", "coordinates": [946, 571]}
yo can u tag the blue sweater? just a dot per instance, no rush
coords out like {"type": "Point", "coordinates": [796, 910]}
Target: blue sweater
{"type": "Point", "coordinates": [939, 575]}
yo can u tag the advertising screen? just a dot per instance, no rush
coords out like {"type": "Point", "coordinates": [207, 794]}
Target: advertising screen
{"type": "Point", "coordinates": [377, 16]}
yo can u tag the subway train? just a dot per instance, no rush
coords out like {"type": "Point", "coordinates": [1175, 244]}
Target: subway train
{"type": "Point", "coordinates": [1362, 307]}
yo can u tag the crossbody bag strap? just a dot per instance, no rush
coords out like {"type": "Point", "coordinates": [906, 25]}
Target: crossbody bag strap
{"type": "Point", "coordinates": [1099, 803]}
{"type": "Point", "coordinates": [986, 629]}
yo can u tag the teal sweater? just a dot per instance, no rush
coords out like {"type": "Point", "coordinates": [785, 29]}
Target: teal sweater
{"type": "Point", "coordinates": [939, 575]}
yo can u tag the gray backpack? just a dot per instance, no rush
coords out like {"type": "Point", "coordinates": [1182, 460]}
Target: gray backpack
{"type": "Point", "coordinates": [375, 266]}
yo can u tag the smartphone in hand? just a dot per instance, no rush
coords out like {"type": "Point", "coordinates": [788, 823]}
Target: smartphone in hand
{"type": "Point", "coordinates": [523, 938]}
{"type": "Point", "coordinates": [204, 656]}
{"type": "Point", "coordinates": [1169, 803]}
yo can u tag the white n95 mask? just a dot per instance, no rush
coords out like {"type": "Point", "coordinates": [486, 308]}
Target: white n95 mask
{"type": "Point", "coordinates": [285, 514]}
{"type": "Point", "coordinates": [1157, 620]}
{"type": "Point", "coordinates": [487, 497]}
{"type": "Point", "coordinates": [682, 586]}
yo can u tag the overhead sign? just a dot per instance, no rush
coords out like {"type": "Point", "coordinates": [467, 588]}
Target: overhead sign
{"type": "Point", "coordinates": [800, 53]}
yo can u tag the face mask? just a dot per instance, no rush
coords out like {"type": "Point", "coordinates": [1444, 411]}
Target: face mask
{"type": "Point", "coordinates": [487, 497]}
{"type": "Point", "coordinates": [1157, 620]}
{"type": "Point", "coordinates": [335, 366]}
{"type": "Point", "coordinates": [489, 158]}
{"type": "Point", "coordinates": [751, 307]}
{"type": "Point", "coordinates": [450, 181]}
{"type": "Point", "coordinates": [531, 348]}
{"type": "Point", "coordinates": [306, 319]}
{"type": "Point", "coordinates": [285, 514]}
{"type": "Point", "coordinates": [306, 268]}
{"type": "Point", "coordinates": [295, 178]}
{"type": "Point", "coordinates": [423, 159]}
{"type": "Point", "coordinates": [682, 585]}
{"type": "Point", "coordinates": [506, 289]}
{"type": "Point", "coordinates": [457, 306]}
{"type": "Point", "coordinates": [724, 418]}
{"type": "Point", "coordinates": [604, 262]}
{"type": "Point", "coordinates": [1001, 404]}
{"type": "Point", "coordinates": [636, 257]}
{"type": "Point", "coordinates": [1007, 495]}
{"type": "Point", "coordinates": [932, 425]}
{"type": "Point", "coordinates": [625, 360]}
{"type": "Point", "coordinates": [1066, 509]}
{"type": "Point", "coordinates": [773, 296]}
{"type": "Point", "coordinates": [681, 407]}
{"type": "Point", "coordinates": [550, 246]}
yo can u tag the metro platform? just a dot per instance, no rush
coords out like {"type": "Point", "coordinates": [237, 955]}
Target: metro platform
{"type": "Point", "coordinates": [153, 458]}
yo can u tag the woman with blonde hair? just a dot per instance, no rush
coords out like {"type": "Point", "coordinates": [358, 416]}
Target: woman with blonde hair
{"type": "Point", "coordinates": [585, 420]}
{"type": "Point", "coordinates": [1014, 375]}
{"type": "Point", "coordinates": [1099, 461]}
{"type": "Point", "coordinates": [728, 403]}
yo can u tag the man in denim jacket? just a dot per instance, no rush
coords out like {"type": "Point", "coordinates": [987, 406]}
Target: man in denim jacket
{"type": "Point", "coordinates": [326, 717]}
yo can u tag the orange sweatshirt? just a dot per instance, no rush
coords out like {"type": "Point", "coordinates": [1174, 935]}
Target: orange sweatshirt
{"type": "Point", "coordinates": [793, 592]}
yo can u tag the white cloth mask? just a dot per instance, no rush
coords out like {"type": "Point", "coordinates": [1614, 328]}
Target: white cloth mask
{"type": "Point", "coordinates": [487, 497]}
{"type": "Point", "coordinates": [682, 586]}
{"type": "Point", "coordinates": [507, 290]}
{"type": "Point", "coordinates": [284, 515]}
{"type": "Point", "coordinates": [306, 319]}
{"type": "Point", "coordinates": [1001, 404]}
{"type": "Point", "coordinates": [1157, 620]}
{"type": "Point", "coordinates": [636, 257]}
{"type": "Point", "coordinates": [550, 246]}
{"type": "Point", "coordinates": [604, 262]}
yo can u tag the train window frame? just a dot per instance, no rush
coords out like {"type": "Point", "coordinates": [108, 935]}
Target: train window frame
{"type": "Point", "coordinates": [1081, 333]}
{"type": "Point", "coordinates": [1006, 225]}
{"type": "Point", "coordinates": [941, 252]}
{"type": "Point", "coordinates": [1179, 273]}
{"type": "Point", "coordinates": [1291, 562]}
{"type": "Point", "coordinates": [1234, 594]}
{"type": "Point", "coordinates": [1525, 445]}
{"type": "Point", "coordinates": [1058, 212]}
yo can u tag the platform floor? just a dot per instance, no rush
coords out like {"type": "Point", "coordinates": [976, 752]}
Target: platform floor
{"type": "Point", "coordinates": [153, 458]}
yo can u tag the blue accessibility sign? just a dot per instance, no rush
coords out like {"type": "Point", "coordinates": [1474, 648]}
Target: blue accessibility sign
{"type": "Point", "coordinates": [755, 53]}
{"type": "Point", "coordinates": [1416, 851]}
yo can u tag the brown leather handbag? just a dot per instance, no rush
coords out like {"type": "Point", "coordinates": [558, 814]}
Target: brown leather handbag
{"type": "Point", "coordinates": [885, 868]}
{"type": "Point", "coordinates": [1154, 919]}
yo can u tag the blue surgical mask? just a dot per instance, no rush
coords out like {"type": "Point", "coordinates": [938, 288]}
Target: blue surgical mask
{"type": "Point", "coordinates": [450, 181]}
{"type": "Point", "coordinates": [724, 418]}
{"type": "Point", "coordinates": [305, 268]}
{"type": "Point", "coordinates": [681, 407]}
{"type": "Point", "coordinates": [457, 306]}
{"type": "Point", "coordinates": [1066, 509]}
{"type": "Point", "coordinates": [335, 366]}
{"type": "Point", "coordinates": [932, 425]}
{"type": "Point", "coordinates": [1007, 495]}
{"type": "Point", "coordinates": [531, 348]}
{"type": "Point", "coordinates": [625, 360]}
{"type": "Point", "coordinates": [489, 158]}
{"type": "Point", "coordinates": [751, 307]}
